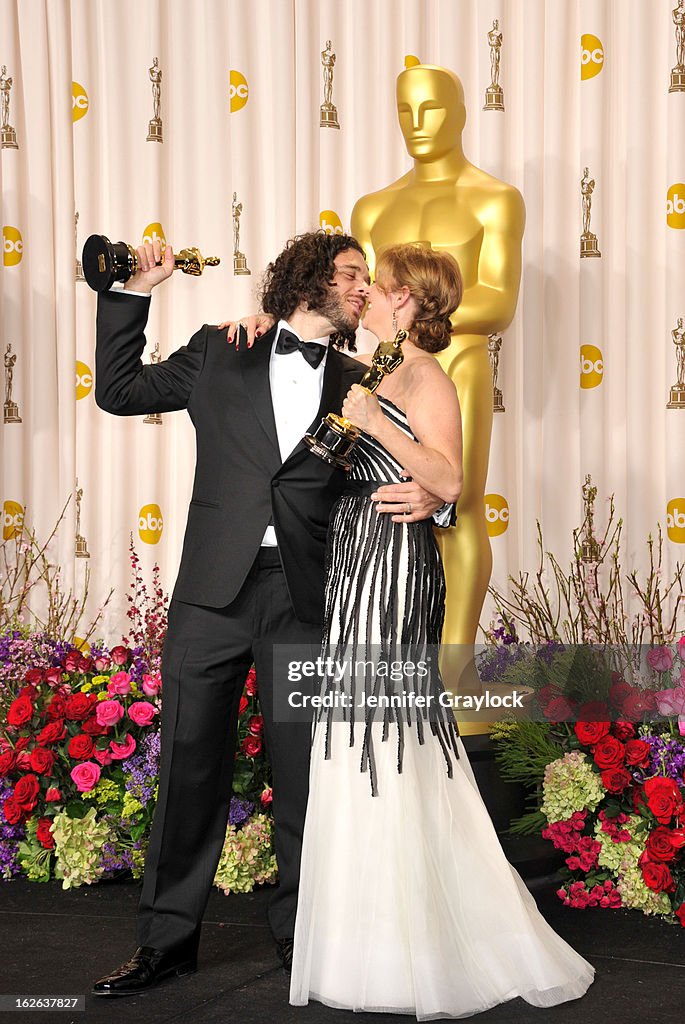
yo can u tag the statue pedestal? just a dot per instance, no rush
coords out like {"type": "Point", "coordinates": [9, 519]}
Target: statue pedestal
{"type": "Point", "coordinates": [497, 401]}
{"type": "Point", "coordinates": [494, 98]}
{"type": "Point", "coordinates": [677, 399]}
{"type": "Point", "coordinates": [81, 547]}
{"type": "Point", "coordinates": [588, 245]}
{"type": "Point", "coordinates": [8, 137]}
{"type": "Point", "coordinates": [154, 130]}
{"type": "Point", "coordinates": [677, 80]}
{"type": "Point", "coordinates": [240, 264]}
{"type": "Point", "coordinates": [153, 417]}
{"type": "Point", "coordinates": [11, 413]}
{"type": "Point", "coordinates": [329, 116]}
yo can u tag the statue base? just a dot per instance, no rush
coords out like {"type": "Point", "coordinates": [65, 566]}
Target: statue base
{"type": "Point", "coordinates": [497, 402]}
{"type": "Point", "coordinates": [11, 413]}
{"type": "Point", "coordinates": [494, 98]}
{"type": "Point", "coordinates": [329, 116]}
{"type": "Point", "coordinates": [81, 550]}
{"type": "Point", "coordinates": [78, 273]}
{"type": "Point", "coordinates": [333, 440]}
{"type": "Point", "coordinates": [588, 245]}
{"type": "Point", "coordinates": [154, 130]}
{"type": "Point", "coordinates": [677, 399]}
{"type": "Point", "coordinates": [8, 138]}
{"type": "Point", "coordinates": [240, 264]}
{"type": "Point", "coordinates": [154, 418]}
{"type": "Point", "coordinates": [677, 80]}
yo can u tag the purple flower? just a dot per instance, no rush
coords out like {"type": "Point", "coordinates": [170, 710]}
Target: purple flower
{"type": "Point", "coordinates": [239, 811]}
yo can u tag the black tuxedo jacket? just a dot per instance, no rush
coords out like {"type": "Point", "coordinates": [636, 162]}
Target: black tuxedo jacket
{"type": "Point", "coordinates": [240, 481]}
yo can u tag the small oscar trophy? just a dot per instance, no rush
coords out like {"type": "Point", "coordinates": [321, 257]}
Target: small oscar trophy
{"type": "Point", "coordinates": [494, 345]}
{"type": "Point", "coordinates": [588, 240]}
{"type": "Point", "coordinates": [239, 259]}
{"type": "Point", "coordinates": [154, 417]}
{"type": "Point", "coordinates": [81, 550]}
{"type": "Point", "coordinates": [328, 110]}
{"type": "Point", "coordinates": [335, 437]}
{"type": "Point", "coordinates": [11, 409]}
{"type": "Point", "coordinates": [8, 135]}
{"type": "Point", "coordinates": [589, 546]}
{"type": "Point", "coordinates": [154, 128]}
{"type": "Point", "coordinates": [677, 397]}
{"type": "Point", "coordinates": [678, 72]}
{"type": "Point", "coordinates": [494, 94]}
{"type": "Point", "coordinates": [79, 266]}
{"type": "Point", "coordinates": [105, 262]}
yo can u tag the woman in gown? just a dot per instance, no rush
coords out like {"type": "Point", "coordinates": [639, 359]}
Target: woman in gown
{"type": "Point", "coordinates": [406, 901]}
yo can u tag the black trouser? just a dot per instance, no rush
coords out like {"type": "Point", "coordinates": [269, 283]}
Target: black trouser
{"type": "Point", "coordinates": [207, 654]}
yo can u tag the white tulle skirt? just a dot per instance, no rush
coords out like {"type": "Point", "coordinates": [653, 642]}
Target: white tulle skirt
{"type": "Point", "coordinates": [407, 903]}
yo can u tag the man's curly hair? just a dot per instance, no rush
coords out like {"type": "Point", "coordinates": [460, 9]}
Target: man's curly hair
{"type": "Point", "coordinates": [302, 274]}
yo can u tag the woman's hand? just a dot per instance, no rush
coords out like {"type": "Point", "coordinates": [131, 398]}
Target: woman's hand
{"type": "Point", "coordinates": [255, 325]}
{"type": "Point", "coordinates": [362, 409]}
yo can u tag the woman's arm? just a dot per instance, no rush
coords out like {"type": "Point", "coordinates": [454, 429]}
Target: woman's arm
{"type": "Point", "coordinates": [432, 409]}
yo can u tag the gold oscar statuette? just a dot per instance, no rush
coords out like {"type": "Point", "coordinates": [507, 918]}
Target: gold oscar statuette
{"type": "Point", "coordinates": [10, 408]}
{"type": "Point", "coordinates": [8, 136]}
{"type": "Point", "coordinates": [588, 240]}
{"type": "Point", "coordinates": [155, 418]}
{"type": "Point", "coordinates": [240, 266]}
{"type": "Point", "coordinates": [78, 273]}
{"type": "Point", "coordinates": [154, 128]}
{"type": "Point", "coordinates": [105, 262]}
{"type": "Point", "coordinates": [494, 94]}
{"type": "Point", "coordinates": [678, 72]}
{"type": "Point", "coordinates": [494, 345]}
{"type": "Point", "coordinates": [677, 396]}
{"type": "Point", "coordinates": [336, 436]}
{"type": "Point", "coordinates": [81, 547]}
{"type": "Point", "coordinates": [328, 110]}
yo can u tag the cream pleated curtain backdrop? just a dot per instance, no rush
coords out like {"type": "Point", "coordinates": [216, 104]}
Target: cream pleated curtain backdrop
{"type": "Point", "coordinates": [587, 365]}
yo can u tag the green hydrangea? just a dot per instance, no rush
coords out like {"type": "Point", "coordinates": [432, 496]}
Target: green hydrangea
{"type": "Point", "coordinates": [248, 857]}
{"type": "Point", "coordinates": [612, 854]}
{"type": "Point", "coordinates": [570, 785]}
{"type": "Point", "coordinates": [131, 806]}
{"type": "Point", "coordinates": [78, 842]}
{"type": "Point", "coordinates": [106, 791]}
{"type": "Point", "coordinates": [635, 895]}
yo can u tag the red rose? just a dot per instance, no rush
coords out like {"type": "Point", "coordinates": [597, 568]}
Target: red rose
{"type": "Point", "coordinates": [242, 707]}
{"type": "Point", "coordinates": [55, 708]}
{"type": "Point", "coordinates": [53, 732]}
{"type": "Point", "coordinates": [255, 725]}
{"type": "Point", "coordinates": [85, 665]}
{"type": "Point", "coordinates": [119, 655]}
{"type": "Point", "coordinates": [266, 798]}
{"type": "Point", "coordinates": [34, 676]}
{"type": "Point", "coordinates": [28, 691]}
{"type": "Point", "coordinates": [637, 753]}
{"type": "Point", "coordinates": [609, 753]}
{"type": "Point", "coordinates": [251, 683]}
{"type": "Point", "coordinates": [620, 690]}
{"type": "Point", "coordinates": [92, 727]}
{"type": "Point", "coordinates": [12, 811]}
{"type": "Point", "coordinates": [680, 914]}
{"type": "Point", "coordinates": [251, 746]}
{"type": "Point", "coordinates": [43, 833]}
{"type": "Point", "coordinates": [81, 747]}
{"type": "Point", "coordinates": [664, 798]}
{"type": "Point", "coordinates": [71, 660]}
{"type": "Point", "coordinates": [590, 733]}
{"type": "Point", "coordinates": [559, 709]}
{"type": "Point", "coordinates": [657, 876]}
{"type": "Point", "coordinates": [659, 845]}
{"type": "Point", "coordinates": [616, 779]}
{"type": "Point", "coordinates": [79, 706]}
{"type": "Point", "coordinates": [53, 795]}
{"type": "Point", "coordinates": [26, 792]}
{"type": "Point", "coordinates": [22, 743]}
{"type": "Point", "coordinates": [42, 761]}
{"type": "Point", "coordinates": [54, 676]}
{"type": "Point", "coordinates": [624, 730]}
{"type": "Point", "coordinates": [20, 712]}
{"type": "Point", "coordinates": [7, 762]}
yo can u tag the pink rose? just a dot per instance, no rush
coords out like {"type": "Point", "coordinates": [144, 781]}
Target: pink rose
{"type": "Point", "coordinates": [119, 655]}
{"type": "Point", "coordinates": [109, 712]}
{"type": "Point", "coordinates": [85, 775]}
{"type": "Point", "coordinates": [120, 751]}
{"type": "Point", "coordinates": [102, 663]}
{"type": "Point", "coordinates": [142, 712]}
{"type": "Point", "coordinates": [671, 701]}
{"type": "Point", "coordinates": [660, 659]}
{"type": "Point", "coordinates": [53, 676]}
{"type": "Point", "coordinates": [120, 682]}
{"type": "Point", "coordinates": [103, 757]}
{"type": "Point", "coordinates": [151, 685]}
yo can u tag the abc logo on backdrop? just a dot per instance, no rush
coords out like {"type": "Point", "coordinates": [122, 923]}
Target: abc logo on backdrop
{"type": "Point", "coordinates": [330, 223]}
{"type": "Point", "coordinates": [675, 205]}
{"type": "Point", "coordinates": [79, 101]}
{"type": "Point", "coordinates": [496, 514]}
{"type": "Point", "coordinates": [591, 366]}
{"type": "Point", "coordinates": [591, 56]}
{"type": "Point", "coordinates": [150, 524]}
{"type": "Point", "coordinates": [154, 233]}
{"type": "Point", "coordinates": [12, 246]}
{"type": "Point", "coordinates": [675, 520]}
{"type": "Point", "coordinates": [12, 520]}
{"type": "Point", "coordinates": [238, 90]}
{"type": "Point", "coordinates": [84, 380]}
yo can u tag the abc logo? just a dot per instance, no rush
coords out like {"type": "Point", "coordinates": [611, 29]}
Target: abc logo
{"type": "Point", "coordinates": [591, 366]}
{"type": "Point", "coordinates": [675, 520]}
{"type": "Point", "coordinates": [675, 206]}
{"type": "Point", "coordinates": [84, 380]}
{"type": "Point", "coordinates": [496, 514]}
{"type": "Point", "coordinates": [12, 520]}
{"type": "Point", "coordinates": [237, 90]}
{"type": "Point", "coordinates": [330, 223]}
{"type": "Point", "coordinates": [150, 524]}
{"type": "Point", "coordinates": [410, 61]}
{"type": "Point", "coordinates": [79, 101]}
{"type": "Point", "coordinates": [591, 56]}
{"type": "Point", "coordinates": [154, 233]}
{"type": "Point", "coordinates": [12, 246]}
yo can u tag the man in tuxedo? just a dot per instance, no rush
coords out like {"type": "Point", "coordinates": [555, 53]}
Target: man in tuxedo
{"type": "Point", "coordinates": [252, 567]}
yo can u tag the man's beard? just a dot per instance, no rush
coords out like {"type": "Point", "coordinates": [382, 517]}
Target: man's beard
{"type": "Point", "coordinates": [344, 322]}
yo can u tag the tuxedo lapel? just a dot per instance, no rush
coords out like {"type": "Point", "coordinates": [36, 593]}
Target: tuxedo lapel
{"type": "Point", "coordinates": [254, 366]}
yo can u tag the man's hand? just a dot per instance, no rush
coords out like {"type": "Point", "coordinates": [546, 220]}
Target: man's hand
{"type": "Point", "coordinates": [406, 502]}
{"type": "Point", "coordinates": [255, 325]}
{"type": "Point", "coordinates": [152, 268]}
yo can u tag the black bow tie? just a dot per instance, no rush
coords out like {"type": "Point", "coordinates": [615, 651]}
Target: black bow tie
{"type": "Point", "coordinates": [311, 350]}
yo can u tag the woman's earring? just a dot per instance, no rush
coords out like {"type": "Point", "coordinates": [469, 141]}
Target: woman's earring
{"type": "Point", "coordinates": [394, 321]}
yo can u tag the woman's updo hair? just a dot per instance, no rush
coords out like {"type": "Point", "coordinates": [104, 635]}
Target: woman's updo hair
{"type": "Point", "coordinates": [434, 281]}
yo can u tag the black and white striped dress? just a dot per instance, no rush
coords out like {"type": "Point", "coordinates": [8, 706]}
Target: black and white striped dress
{"type": "Point", "coordinates": [406, 902]}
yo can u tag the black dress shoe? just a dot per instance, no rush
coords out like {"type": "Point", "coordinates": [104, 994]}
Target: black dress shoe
{"type": "Point", "coordinates": [146, 968]}
{"type": "Point", "coordinates": [285, 953]}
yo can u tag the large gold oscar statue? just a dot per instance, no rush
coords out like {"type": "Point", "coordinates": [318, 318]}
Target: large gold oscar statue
{"type": "Point", "coordinates": [446, 201]}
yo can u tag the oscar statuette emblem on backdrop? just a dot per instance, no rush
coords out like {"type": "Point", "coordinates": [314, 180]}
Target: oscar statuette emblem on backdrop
{"type": "Point", "coordinates": [328, 112]}
{"type": "Point", "coordinates": [155, 418]}
{"type": "Point", "coordinates": [81, 547]}
{"type": "Point", "coordinates": [494, 94]}
{"type": "Point", "coordinates": [154, 128]}
{"type": "Point", "coordinates": [678, 72]}
{"type": "Point", "coordinates": [494, 345]}
{"type": "Point", "coordinates": [677, 395]}
{"type": "Point", "coordinates": [336, 436]}
{"type": "Point", "coordinates": [10, 408]}
{"type": "Point", "coordinates": [588, 240]}
{"type": "Point", "coordinates": [8, 136]}
{"type": "Point", "coordinates": [240, 266]}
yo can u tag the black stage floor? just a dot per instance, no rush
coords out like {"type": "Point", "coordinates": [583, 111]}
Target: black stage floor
{"type": "Point", "coordinates": [56, 942]}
